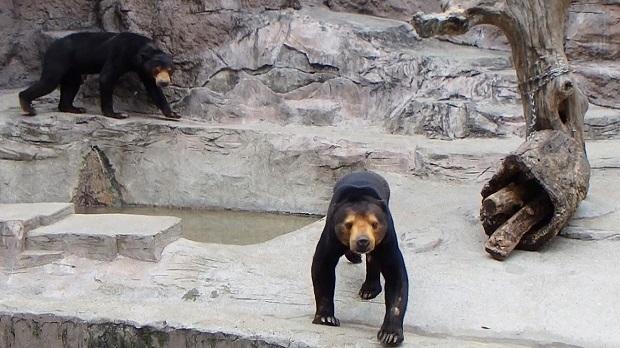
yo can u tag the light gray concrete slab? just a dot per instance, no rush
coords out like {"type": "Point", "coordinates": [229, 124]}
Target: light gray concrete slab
{"type": "Point", "coordinates": [35, 214]}
{"type": "Point", "coordinates": [104, 236]}
{"type": "Point", "coordinates": [33, 258]}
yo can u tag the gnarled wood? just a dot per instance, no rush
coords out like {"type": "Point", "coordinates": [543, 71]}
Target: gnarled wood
{"type": "Point", "coordinates": [553, 108]}
{"type": "Point", "coordinates": [535, 30]}
{"type": "Point", "coordinates": [508, 235]}
{"type": "Point", "coordinates": [509, 199]}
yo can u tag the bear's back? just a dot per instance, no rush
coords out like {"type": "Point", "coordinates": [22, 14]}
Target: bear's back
{"type": "Point", "coordinates": [363, 182]}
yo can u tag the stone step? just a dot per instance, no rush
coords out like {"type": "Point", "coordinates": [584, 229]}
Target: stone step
{"type": "Point", "coordinates": [466, 118]}
{"type": "Point", "coordinates": [33, 258]}
{"type": "Point", "coordinates": [19, 218]}
{"type": "Point", "coordinates": [105, 236]}
{"type": "Point", "coordinates": [33, 215]}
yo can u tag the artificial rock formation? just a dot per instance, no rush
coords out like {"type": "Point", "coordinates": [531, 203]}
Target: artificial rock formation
{"type": "Point", "coordinates": [289, 62]}
{"type": "Point", "coordinates": [246, 68]}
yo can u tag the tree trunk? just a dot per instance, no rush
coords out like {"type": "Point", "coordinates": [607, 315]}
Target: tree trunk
{"type": "Point", "coordinates": [553, 107]}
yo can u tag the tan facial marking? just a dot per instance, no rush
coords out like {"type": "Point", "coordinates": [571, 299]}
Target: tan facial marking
{"type": "Point", "coordinates": [162, 78]}
{"type": "Point", "coordinates": [356, 226]}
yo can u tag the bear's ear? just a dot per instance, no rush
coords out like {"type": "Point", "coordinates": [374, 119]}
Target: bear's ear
{"type": "Point", "coordinates": [383, 204]}
{"type": "Point", "coordinates": [146, 53]}
{"type": "Point", "coordinates": [143, 57]}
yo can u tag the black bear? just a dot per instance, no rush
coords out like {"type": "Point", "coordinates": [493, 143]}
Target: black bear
{"type": "Point", "coordinates": [110, 55]}
{"type": "Point", "coordinates": [359, 222]}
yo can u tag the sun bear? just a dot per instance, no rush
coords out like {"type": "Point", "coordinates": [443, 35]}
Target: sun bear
{"type": "Point", "coordinates": [110, 55]}
{"type": "Point", "coordinates": [359, 222]}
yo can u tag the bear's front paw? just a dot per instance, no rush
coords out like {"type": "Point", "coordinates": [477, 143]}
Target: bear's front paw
{"type": "Point", "coordinates": [390, 337]}
{"type": "Point", "coordinates": [172, 114]}
{"type": "Point", "coordinates": [72, 109]}
{"type": "Point", "coordinates": [116, 115]}
{"type": "Point", "coordinates": [370, 290]}
{"type": "Point", "coordinates": [326, 320]}
{"type": "Point", "coordinates": [353, 257]}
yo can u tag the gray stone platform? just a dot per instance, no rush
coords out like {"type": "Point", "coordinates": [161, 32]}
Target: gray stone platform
{"type": "Point", "coordinates": [563, 296]}
{"type": "Point", "coordinates": [104, 236]}
{"type": "Point", "coordinates": [33, 234]}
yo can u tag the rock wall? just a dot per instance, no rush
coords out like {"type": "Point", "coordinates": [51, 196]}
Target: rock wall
{"type": "Point", "coordinates": [48, 330]}
{"type": "Point", "coordinates": [352, 83]}
{"type": "Point", "coordinates": [310, 63]}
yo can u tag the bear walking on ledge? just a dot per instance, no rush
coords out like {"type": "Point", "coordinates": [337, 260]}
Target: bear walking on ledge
{"type": "Point", "coordinates": [359, 221]}
{"type": "Point", "coordinates": [111, 55]}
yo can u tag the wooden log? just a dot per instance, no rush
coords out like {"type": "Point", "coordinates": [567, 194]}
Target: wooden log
{"type": "Point", "coordinates": [510, 199]}
{"type": "Point", "coordinates": [490, 223]}
{"type": "Point", "coordinates": [504, 240]}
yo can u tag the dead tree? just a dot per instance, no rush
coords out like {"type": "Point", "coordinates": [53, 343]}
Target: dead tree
{"type": "Point", "coordinates": [538, 187]}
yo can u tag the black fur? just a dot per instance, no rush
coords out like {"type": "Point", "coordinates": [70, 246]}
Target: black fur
{"type": "Point", "coordinates": [362, 188]}
{"type": "Point", "coordinates": [110, 55]}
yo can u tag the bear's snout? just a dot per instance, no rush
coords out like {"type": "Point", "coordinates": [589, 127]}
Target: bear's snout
{"type": "Point", "coordinates": [362, 245]}
{"type": "Point", "coordinates": [162, 79]}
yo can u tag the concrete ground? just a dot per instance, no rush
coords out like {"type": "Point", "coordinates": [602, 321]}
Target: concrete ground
{"type": "Point", "coordinates": [563, 296]}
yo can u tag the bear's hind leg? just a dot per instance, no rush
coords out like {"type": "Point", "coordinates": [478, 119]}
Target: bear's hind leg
{"type": "Point", "coordinates": [38, 89]}
{"type": "Point", "coordinates": [68, 90]}
{"type": "Point", "coordinates": [53, 72]}
{"type": "Point", "coordinates": [372, 285]}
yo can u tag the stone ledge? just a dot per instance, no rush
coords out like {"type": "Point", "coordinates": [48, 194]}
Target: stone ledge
{"type": "Point", "coordinates": [33, 258]}
{"type": "Point", "coordinates": [105, 236]}
{"type": "Point", "coordinates": [34, 215]}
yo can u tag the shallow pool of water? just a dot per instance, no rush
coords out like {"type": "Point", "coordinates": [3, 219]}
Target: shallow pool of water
{"type": "Point", "coordinates": [221, 226]}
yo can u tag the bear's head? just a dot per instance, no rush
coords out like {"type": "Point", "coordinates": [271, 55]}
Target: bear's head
{"type": "Point", "coordinates": [361, 224]}
{"type": "Point", "coordinates": [158, 64]}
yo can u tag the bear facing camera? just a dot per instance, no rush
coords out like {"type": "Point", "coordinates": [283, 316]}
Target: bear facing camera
{"type": "Point", "coordinates": [359, 222]}
{"type": "Point", "coordinates": [110, 55]}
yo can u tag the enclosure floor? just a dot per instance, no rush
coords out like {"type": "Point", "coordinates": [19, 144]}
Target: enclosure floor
{"type": "Point", "coordinates": [459, 297]}
{"type": "Point", "coordinates": [564, 295]}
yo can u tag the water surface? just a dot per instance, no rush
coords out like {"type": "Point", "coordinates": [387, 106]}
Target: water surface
{"type": "Point", "coordinates": [221, 226]}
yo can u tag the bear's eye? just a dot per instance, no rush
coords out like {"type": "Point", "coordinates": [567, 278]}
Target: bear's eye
{"type": "Point", "coordinates": [375, 225]}
{"type": "Point", "coordinates": [348, 225]}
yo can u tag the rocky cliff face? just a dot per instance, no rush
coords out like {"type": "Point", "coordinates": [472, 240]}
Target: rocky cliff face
{"type": "Point", "coordinates": [351, 81]}
{"type": "Point", "coordinates": [310, 63]}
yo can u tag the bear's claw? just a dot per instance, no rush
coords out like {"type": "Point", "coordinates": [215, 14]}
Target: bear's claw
{"type": "Point", "coordinates": [390, 337]}
{"type": "Point", "coordinates": [326, 320]}
{"type": "Point", "coordinates": [353, 257]}
{"type": "Point", "coordinates": [168, 113]}
{"type": "Point", "coordinates": [368, 292]}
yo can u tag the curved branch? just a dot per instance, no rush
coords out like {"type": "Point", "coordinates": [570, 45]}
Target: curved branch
{"type": "Point", "coordinates": [535, 31]}
{"type": "Point", "coordinates": [458, 18]}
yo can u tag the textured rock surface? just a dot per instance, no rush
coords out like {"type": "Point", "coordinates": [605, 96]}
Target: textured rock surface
{"type": "Point", "coordinates": [278, 102]}
{"type": "Point", "coordinates": [48, 330]}
{"type": "Point", "coordinates": [249, 167]}
{"type": "Point", "coordinates": [291, 63]}
{"type": "Point", "coordinates": [15, 222]}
